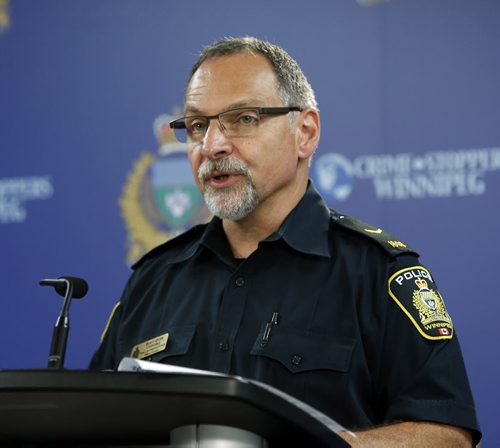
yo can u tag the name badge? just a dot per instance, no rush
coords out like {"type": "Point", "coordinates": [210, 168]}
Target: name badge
{"type": "Point", "coordinates": [150, 347]}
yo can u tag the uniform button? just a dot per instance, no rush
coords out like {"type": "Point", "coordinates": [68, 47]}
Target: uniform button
{"type": "Point", "coordinates": [296, 360]}
{"type": "Point", "coordinates": [240, 281]}
{"type": "Point", "coordinates": [223, 346]}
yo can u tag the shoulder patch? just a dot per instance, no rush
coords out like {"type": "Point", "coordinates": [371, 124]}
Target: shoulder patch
{"type": "Point", "coordinates": [388, 242]}
{"type": "Point", "coordinates": [415, 292]}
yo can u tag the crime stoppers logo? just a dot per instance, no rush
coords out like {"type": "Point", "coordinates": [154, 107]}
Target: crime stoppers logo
{"type": "Point", "coordinates": [17, 191]}
{"type": "Point", "coordinates": [404, 176]}
{"type": "Point", "coordinates": [334, 176]}
{"type": "Point", "coordinates": [160, 198]}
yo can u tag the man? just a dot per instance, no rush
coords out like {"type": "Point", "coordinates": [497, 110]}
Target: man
{"type": "Point", "coordinates": [278, 287]}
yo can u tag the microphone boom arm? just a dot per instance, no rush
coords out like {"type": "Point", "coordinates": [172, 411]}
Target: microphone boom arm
{"type": "Point", "coordinates": [61, 327]}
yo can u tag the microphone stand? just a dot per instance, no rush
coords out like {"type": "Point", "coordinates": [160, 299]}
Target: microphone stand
{"type": "Point", "coordinates": [61, 328]}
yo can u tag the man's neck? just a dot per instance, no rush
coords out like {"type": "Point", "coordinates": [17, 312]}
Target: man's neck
{"type": "Point", "coordinates": [245, 235]}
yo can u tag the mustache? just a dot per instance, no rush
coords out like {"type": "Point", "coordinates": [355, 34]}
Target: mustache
{"type": "Point", "coordinates": [228, 165]}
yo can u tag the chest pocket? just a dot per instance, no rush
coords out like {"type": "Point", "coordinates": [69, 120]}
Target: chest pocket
{"type": "Point", "coordinates": [300, 352]}
{"type": "Point", "coordinates": [178, 343]}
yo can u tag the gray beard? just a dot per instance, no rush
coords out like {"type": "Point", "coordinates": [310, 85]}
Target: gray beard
{"type": "Point", "coordinates": [232, 203]}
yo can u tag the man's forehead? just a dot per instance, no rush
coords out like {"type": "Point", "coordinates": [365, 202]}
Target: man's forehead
{"type": "Point", "coordinates": [239, 80]}
{"type": "Point", "coordinates": [241, 60]}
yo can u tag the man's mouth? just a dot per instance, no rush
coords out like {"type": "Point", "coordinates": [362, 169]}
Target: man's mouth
{"type": "Point", "coordinates": [222, 173]}
{"type": "Point", "coordinates": [220, 176]}
{"type": "Point", "coordinates": [221, 180]}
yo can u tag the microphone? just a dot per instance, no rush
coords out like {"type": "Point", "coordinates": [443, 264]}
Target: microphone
{"type": "Point", "coordinates": [68, 287]}
{"type": "Point", "coordinates": [80, 286]}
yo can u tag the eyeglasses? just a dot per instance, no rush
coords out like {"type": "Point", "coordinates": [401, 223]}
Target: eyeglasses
{"type": "Point", "coordinates": [240, 122]}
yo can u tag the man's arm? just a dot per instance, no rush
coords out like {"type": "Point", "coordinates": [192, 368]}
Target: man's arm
{"type": "Point", "coordinates": [411, 435]}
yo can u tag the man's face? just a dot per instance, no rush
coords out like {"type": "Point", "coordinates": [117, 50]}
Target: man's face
{"type": "Point", "coordinates": [237, 175]}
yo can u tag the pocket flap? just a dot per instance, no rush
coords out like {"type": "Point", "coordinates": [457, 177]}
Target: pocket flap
{"type": "Point", "coordinates": [300, 352]}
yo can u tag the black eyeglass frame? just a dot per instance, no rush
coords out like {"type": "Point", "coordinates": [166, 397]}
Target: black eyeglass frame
{"type": "Point", "coordinates": [180, 123]}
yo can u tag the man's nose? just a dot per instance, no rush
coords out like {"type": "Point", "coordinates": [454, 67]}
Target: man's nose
{"type": "Point", "coordinates": [215, 144]}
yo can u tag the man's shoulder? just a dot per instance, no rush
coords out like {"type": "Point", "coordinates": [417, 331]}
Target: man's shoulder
{"type": "Point", "coordinates": [387, 241]}
{"type": "Point", "coordinates": [176, 249]}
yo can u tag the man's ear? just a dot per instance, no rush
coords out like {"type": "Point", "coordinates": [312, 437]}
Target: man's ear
{"type": "Point", "coordinates": [308, 132]}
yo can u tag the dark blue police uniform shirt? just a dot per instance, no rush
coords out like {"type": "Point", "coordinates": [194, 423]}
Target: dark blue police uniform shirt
{"type": "Point", "coordinates": [341, 343]}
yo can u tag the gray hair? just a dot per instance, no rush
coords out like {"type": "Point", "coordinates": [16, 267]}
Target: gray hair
{"type": "Point", "coordinates": [293, 87]}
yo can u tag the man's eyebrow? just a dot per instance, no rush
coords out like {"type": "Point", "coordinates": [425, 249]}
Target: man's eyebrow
{"type": "Point", "coordinates": [246, 103]}
{"type": "Point", "coordinates": [192, 110]}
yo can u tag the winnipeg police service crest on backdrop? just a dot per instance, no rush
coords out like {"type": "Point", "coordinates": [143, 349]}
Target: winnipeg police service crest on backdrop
{"type": "Point", "coordinates": [4, 16]}
{"type": "Point", "coordinates": [160, 198]}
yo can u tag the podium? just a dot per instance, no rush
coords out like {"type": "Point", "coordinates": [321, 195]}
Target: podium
{"type": "Point", "coordinates": [81, 408]}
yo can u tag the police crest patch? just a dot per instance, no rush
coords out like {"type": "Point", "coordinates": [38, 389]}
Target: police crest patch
{"type": "Point", "coordinates": [414, 291]}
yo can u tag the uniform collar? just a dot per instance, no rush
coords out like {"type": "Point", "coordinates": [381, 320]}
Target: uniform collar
{"type": "Point", "coordinates": [305, 229]}
{"type": "Point", "coordinates": [215, 239]}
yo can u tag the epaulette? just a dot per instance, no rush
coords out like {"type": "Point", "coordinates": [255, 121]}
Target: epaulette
{"type": "Point", "coordinates": [181, 240]}
{"type": "Point", "coordinates": [388, 242]}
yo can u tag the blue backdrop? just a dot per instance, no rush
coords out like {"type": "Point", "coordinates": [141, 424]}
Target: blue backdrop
{"type": "Point", "coordinates": [409, 94]}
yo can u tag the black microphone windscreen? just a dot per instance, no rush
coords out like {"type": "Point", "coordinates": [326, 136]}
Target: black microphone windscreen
{"type": "Point", "coordinates": [80, 287]}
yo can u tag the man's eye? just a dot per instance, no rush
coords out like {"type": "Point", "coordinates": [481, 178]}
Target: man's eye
{"type": "Point", "coordinates": [248, 119]}
{"type": "Point", "coordinates": [197, 127]}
